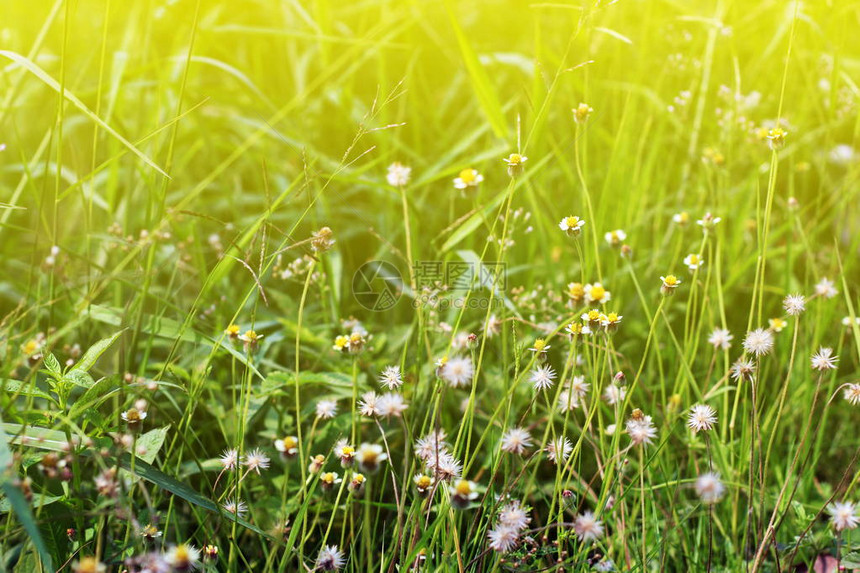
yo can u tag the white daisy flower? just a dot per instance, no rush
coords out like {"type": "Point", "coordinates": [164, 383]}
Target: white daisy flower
{"type": "Point", "coordinates": [758, 341]}
{"type": "Point", "coordinates": [616, 237]}
{"type": "Point", "coordinates": [457, 372]}
{"type": "Point", "coordinates": [720, 338]}
{"type": "Point", "coordinates": [694, 262]}
{"type": "Point", "coordinates": [559, 450]}
{"type": "Point", "coordinates": [824, 359]}
{"type": "Point", "coordinates": [640, 428]}
{"type": "Point", "coordinates": [842, 515]}
{"type": "Point", "coordinates": [572, 225]}
{"type": "Point", "coordinates": [587, 527]}
{"type": "Point", "coordinates": [468, 178]}
{"type": "Point", "coordinates": [702, 418]}
{"type": "Point", "coordinates": [794, 304]}
{"type": "Point", "coordinates": [391, 377]}
{"type": "Point", "coordinates": [597, 293]}
{"type": "Point", "coordinates": [256, 460]}
{"type": "Point", "coordinates": [330, 558]}
{"type": "Point", "coordinates": [710, 488]}
{"type": "Point", "coordinates": [826, 288]}
{"type": "Point", "coordinates": [516, 440]}
{"type": "Point", "coordinates": [398, 174]}
{"type": "Point", "coordinates": [542, 377]}
{"type": "Point", "coordinates": [503, 538]}
{"type": "Point", "coordinates": [326, 409]}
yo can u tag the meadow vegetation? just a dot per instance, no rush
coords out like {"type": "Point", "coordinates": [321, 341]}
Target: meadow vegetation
{"type": "Point", "coordinates": [315, 285]}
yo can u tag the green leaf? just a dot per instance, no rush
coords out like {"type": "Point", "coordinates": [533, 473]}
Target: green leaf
{"type": "Point", "coordinates": [151, 442]}
{"type": "Point", "coordinates": [25, 389]}
{"type": "Point", "coordinates": [34, 69]}
{"type": "Point", "coordinates": [53, 365]}
{"type": "Point", "coordinates": [472, 223]}
{"type": "Point", "coordinates": [19, 504]}
{"type": "Point", "coordinates": [79, 378]}
{"type": "Point", "coordinates": [94, 396]}
{"type": "Point", "coordinates": [94, 352]}
{"type": "Point", "coordinates": [851, 560]}
{"type": "Point", "coordinates": [184, 491]}
{"type": "Point", "coordinates": [40, 501]}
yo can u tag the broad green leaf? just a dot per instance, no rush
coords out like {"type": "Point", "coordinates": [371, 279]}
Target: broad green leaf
{"type": "Point", "coordinates": [151, 443]}
{"type": "Point", "coordinates": [94, 352]}
{"type": "Point", "coordinates": [25, 389]}
{"type": "Point", "coordinates": [79, 378]}
{"type": "Point", "coordinates": [94, 396]}
{"type": "Point", "coordinates": [177, 488]}
{"type": "Point", "coordinates": [38, 501]}
{"type": "Point", "coordinates": [52, 364]}
{"type": "Point", "coordinates": [170, 329]}
{"type": "Point", "coordinates": [19, 504]}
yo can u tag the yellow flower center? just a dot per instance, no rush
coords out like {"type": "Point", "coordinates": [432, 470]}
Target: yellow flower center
{"type": "Point", "coordinates": [575, 290]}
{"type": "Point", "coordinates": [132, 415]}
{"type": "Point", "coordinates": [670, 280]}
{"type": "Point", "coordinates": [358, 478]}
{"type": "Point", "coordinates": [612, 317]}
{"type": "Point", "coordinates": [540, 344]}
{"type": "Point", "coordinates": [572, 222]}
{"type": "Point", "coordinates": [233, 329]}
{"type": "Point", "coordinates": [182, 553]}
{"type": "Point", "coordinates": [777, 323]}
{"type": "Point", "coordinates": [463, 487]}
{"type": "Point", "coordinates": [597, 292]}
{"type": "Point", "coordinates": [290, 442]}
{"type": "Point", "coordinates": [423, 482]}
{"type": "Point", "coordinates": [347, 451]}
{"type": "Point", "coordinates": [31, 347]}
{"type": "Point", "coordinates": [328, 478]}
{"type": "Point", "coordinates": [593, 315]}
{"type": "Point", "coordinates": [468, 175]}
{"type": "Point", "coordinates": [515, 159]}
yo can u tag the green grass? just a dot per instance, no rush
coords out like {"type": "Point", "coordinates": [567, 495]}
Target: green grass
{"type": "Point", "coordinates": [167, 164]}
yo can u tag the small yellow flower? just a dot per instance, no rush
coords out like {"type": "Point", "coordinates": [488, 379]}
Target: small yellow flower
{"type": "Point", "coordinates": [611, 320]}
{"type": "Point", "coordinates": [682, 218]}
{"type": "Point", "coordinates": [776, 138]}
{"type": "Point", "coordinates": [693, 262]}
{"type": "Point", "coordinates": [329, 479]}
{"type": "Point", "coordinates": [356, 342]}
{"type": "Point", "coordinates": [592, 318]}
{"type": "Point", "coordinates": [712, 156]}
{"type": "Point", "coordinates": [576, 292]}
{"type": "Point", "coordinates": [515, 163]}
{"type": "Point", "coordinates": [232, 331]}
{"type": "Point", "coordinates": [597, 293]}
{"type": "Point", "coordinates": [540, 346]}
{"type": "Point", "coordinates": [670, 283]}
{"type": "Point", "coordinates": [251, 339]}
{"type": "Point", "coordinates": [616, 237]}
{"type": "Point", "coordinates": [581, 112]}
{"type": "Point", "coordinates": [468, 178]}
{"type": "Point", "coordinates": [341, 343]}
{"type": "Point", "coordinates": [777, 324]}
{"type": "Point", "coordinates": [572, 225]}
{"type": "Point", "coordinates": [576, 328]}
